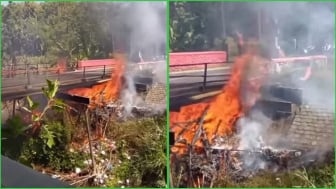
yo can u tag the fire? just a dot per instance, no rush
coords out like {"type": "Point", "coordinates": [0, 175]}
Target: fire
{"type": "Point", "coordinates": [221, 113]}
{"type": "Point", "coordinates": [104, 92]}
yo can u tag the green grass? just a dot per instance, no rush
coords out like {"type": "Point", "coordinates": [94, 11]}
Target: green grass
{"type": "Point", "coordinates": [316, 176]}
{"type": "Point", "coordinates": [144, 141]}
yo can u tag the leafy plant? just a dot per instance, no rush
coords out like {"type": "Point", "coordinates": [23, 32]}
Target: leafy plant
{"type": "Point", "coordinates": [141, 148]}
{"type": "Point", "coordinates": [52, 151]}
{"type": "Point", "coordinates": [36, 139]}
{"type": "Point", "coordinates": [17, 126]}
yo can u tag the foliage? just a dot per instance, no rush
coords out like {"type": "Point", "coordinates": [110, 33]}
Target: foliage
{"type": "Point", "coordinates": [197, 26]}
{"type": "Point", "coordinates": [17, 126]}
{"type": "Point", "coordinates": [56, 156]}
{"type": "Point", "coordinates": [321, 176]}
{"type": "Point", "coordinates": [38, 140]}
{"type": "Point", "coordinates": [71, 30]}
{"type": "Point", "coordinates": [200, 26]}
{"type": "Point", "coordinates": [187, 26]}
{"type": "Point", "coordinates": [141, 148]}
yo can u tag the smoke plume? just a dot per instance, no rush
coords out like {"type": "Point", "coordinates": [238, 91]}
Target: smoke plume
{"type": "Point", "coordinates": [318, 91]}
{"type": "Point", "coordinates": [147, 37]}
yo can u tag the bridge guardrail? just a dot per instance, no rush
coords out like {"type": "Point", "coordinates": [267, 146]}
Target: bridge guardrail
{"type": "Point", "coordinates": [29, 72]}
{"type": "Point", "coordinates": [278, 63]}
{"type": "Point", "coordinates": [205, 69]}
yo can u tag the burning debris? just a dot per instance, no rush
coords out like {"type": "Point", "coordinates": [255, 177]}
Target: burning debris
{"type": "Point", "coordinates": [106, 92]}
{"type": "Point", "coordinates": [201, 129]}
{"type": "Point", "coordinates": [118, 96]}
{"type": "Point", "coordinates": [227, 158]}
{"type": "Point", "coordinates": [210, 139]}
{"type": "Point", "coordinates": [120, 113]}
{"type": "Point", "coordinates": [218, 117]}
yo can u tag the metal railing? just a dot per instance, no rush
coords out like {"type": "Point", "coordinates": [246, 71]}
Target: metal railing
{"type": "Point", "coordinates": [205, 71]}
{"type": "Point", "coordinates": [25, 74]}
{"type": "Point", "coordinates": [319, 60]}
{"type": "Point", "coordinates": [104, 68]}
{"type": "Point", "coordinates": [28, 75]}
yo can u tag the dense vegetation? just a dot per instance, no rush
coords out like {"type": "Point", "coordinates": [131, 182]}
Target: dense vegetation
{"type": "Point", "coordinates": [197, 26]}
{"type": "Point", "coordinates": [129, 153]}
{"type": "Point", "coordinates": [44, 32]}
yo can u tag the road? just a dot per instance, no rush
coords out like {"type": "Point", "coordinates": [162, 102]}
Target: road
{"type": "Point", "coordinates": [36, 80]}
{"type": "Point", "coordinates": [187, 87]}
{"type": "Point", "coordinates": [16, 87]}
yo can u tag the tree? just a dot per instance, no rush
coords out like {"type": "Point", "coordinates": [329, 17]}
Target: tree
{"type": "Point", "coordinates": [71, 30]}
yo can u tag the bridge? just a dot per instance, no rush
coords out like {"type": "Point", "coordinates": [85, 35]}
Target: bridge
{"type": "Point", "coordinates": [18, 83]}
{"type": "Point", "coordinates": [197, 76]}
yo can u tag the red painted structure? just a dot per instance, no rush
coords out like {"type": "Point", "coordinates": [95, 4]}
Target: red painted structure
{"type": "Point", "coordinates": [297, 59]}
{"type": "Point", "coordinates": [95, 63]}
{"type": "Point", "coordinates": [197, 57]}
{"type": "Point", "coordinates": [103, 62]}
{"type": "Point", "coordinates": [199, 60]}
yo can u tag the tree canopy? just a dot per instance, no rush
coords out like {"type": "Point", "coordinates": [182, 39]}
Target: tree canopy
{"type": "Point", "coordinates": [45, 32]}
{"type": "Point", "coordinates": [198, 26]}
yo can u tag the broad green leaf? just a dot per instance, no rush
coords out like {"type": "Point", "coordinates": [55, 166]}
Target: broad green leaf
{"type": "Point", "coordinates": [30, 102]}
{"type": "Point", "coordinates": [32, 105]}
{"type": "Point", "coordinates": [35, 117]}
{"type": "Point", "coordinates": [51, 87]}
{"type": "Point", "coordinates": [50, 142]}
{"type": "Point", "coordinates": [55, 88]}
{"type": "Point", "coordinates": [48, 136]}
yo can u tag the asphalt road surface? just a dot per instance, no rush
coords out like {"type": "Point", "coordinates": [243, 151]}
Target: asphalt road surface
{"type": "Point", "coordinates": [187, 87]}
{"type": "Point", "coordinates": [39, 80]}
{"type": "Point", "coordinates": [16, 87]}
{"type": "Point", "coordinates": [68, 81]}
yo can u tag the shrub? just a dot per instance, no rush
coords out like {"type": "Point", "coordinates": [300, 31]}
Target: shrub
{"type": "Point", "coordinates": [141, 147]}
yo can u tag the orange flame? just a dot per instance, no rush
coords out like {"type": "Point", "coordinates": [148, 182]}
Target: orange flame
{"type": "Point", "coordinates": [221, 112]}
{"type": "Point", "coordinates": [106, 92]}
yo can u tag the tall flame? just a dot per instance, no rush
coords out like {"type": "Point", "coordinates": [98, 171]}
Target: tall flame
{"type": "Point", "coordinates": [221, 113]}
{"type": "Point", "coordinates": [106, 92]}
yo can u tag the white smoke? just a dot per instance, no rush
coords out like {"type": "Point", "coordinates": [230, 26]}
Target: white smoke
{"type": "Point", "coordinates": [129, 94]}
{"type": "Point", "coordinates": [252, 131]}
{"type": "Point", "coordinates": [160, 72]}
{"type": "Point", "coordinates": [147, 37]}
{"type": "Point", "coordinates": [148, 33]}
